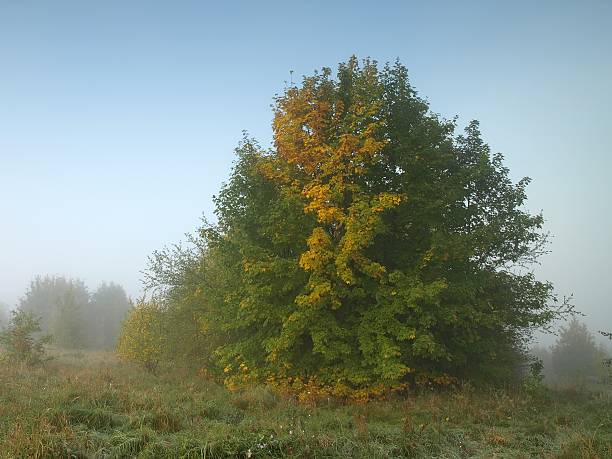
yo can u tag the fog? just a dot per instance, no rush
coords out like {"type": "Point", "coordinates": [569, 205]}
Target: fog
{"type": "Point", "coordinates": [74, 316]}
{"type": "Point", "coordinates": [117, 126]}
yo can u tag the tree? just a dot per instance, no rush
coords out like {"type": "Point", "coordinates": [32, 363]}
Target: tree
{"type": "Point", "coordinates": [606, 357]}
{"type": "Point", "coordinates": [108, 307]}
{"type": "Point", "coordinates": [61, 305]}
{"type": "Point", "coordinates": [142, 335]}
{"type": "Point", "coordinates": [372, 246]}
{"type": "Point", "coordinates": [68, 321]}
{"type": "Point", "coordinates": [22, 341]}
{"type": "Point", "coordinates": [3, 314]}
{"type": "Point", "coordinates": [75, 318]}
{"type": "Point", "coordinates": [574, 355]}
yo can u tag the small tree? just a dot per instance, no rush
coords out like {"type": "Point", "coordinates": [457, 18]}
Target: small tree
{"type": "Point", "coordinates": [142, 335]}
{"type": "Point", "coordinates": [21, 341]}
{"type": "Point", "coordinates": [544, 355]}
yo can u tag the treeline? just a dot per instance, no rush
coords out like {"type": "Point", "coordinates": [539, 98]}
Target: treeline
{"type": "Point", "coordinates": [372, 248]}
{"type": "Point", "coordinates": [74, 317]}
{"type": "Point", "coordinates": [575, 358]}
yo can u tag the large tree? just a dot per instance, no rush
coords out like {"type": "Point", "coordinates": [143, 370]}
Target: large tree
{"type": "Point", "coordinates": [371, 246]}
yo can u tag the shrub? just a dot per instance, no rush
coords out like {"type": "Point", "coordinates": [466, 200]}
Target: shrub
{"type": "Point", "coordinates": [21, 340]}
{"type": "Point", "coordinates": [142, 338]}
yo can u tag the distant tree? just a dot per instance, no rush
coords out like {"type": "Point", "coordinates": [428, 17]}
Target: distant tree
{"type": "Point", "coordinates": [574, 355]}
{"type": "Point", "coordinates": [61, 305]}
{"type": "Point", "coordinates": [69, 327]}
{"type": "Point", "coordinates": [22, 341]}
{"type": "Point", "coordinates": [606, 358]}
{"type": "Point", "coordinates": [3, 314]}
{"type": "Point", "coordinates": [108, 308]}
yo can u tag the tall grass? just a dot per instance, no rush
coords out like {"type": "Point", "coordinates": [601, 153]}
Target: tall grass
{"type": "Point", "coordinates": [91, 406]}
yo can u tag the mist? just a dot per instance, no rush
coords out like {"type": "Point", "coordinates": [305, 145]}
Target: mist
{"type": "Point", "coordinates": [71, 315]}
{"type": "Point", "coordinates": [110, 151]}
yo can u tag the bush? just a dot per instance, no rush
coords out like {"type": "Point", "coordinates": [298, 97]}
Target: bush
{"type": "Point", "coordinates": [142, 338]}
{"type": "Point", "coordinates": [21, 340]}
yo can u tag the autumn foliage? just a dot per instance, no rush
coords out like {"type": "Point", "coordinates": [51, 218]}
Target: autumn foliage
{"type": "Point", "coordinates": [370, 249]}
{"type": "Point", "coordinates": [142, 336]}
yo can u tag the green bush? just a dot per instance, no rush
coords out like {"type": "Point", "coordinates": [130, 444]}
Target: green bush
{"type": "Point", "coordinates": [21, 340]}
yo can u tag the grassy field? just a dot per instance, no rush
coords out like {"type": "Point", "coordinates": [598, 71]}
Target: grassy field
{"type": "Point", "coordinates": [90, 405]}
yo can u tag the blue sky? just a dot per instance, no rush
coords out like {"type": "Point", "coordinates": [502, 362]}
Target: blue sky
{"type": "Point", "coordinates": [118, 119]}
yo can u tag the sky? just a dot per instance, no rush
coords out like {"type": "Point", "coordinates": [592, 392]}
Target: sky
{"type": "Point", "coordinates": [118, 119]}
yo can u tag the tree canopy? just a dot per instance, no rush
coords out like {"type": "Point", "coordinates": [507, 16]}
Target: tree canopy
{"type": "Point", "coordinates": [371, 247]}
{"type": "Point", "coordinates": [575, 355]}
{"type": "Point", "coordinates": [108, 307]}
{"type": "Point", "coordinates": [74, 317]}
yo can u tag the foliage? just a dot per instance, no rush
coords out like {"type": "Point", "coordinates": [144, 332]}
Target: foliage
{"type": "Point", "coordinates": [370, 248]}
{"type": "Point", "coordinates": [575, 355]}
{"type": "Point", "coordinates": [75, 318]}
{"type": "Point", "coordinates": [190, 280]}
{"type": "Point", "coordinates": [107, 310]}
{"type": "Point", "coordinates": [544, 355]}
{"type": "Point", "coordinates": [21, 340]}
{"type": "Point", "coordinates": [3, 314]}
{"type": "Point", "coordinates": [94, 406]}
{"type": "Point", "coordinates": [142, 335]}
{"type": "Point", "coordinates": [61, 304]}
{"type": "Point", "coordinates": [533, 383]}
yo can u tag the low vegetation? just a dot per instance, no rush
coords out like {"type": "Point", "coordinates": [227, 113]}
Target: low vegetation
{"type": "Point", "coordinates": [91, 405]}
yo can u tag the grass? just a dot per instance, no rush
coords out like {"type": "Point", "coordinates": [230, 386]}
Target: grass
{"type": "Point", "coordinates": [91, 406]}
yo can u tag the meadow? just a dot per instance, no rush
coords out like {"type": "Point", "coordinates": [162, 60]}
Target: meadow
{"type": "Point", "coordinates": [90, 405]}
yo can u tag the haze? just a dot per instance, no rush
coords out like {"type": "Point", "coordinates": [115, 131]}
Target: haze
{"type": "Point", "coordinates": [118, 122]}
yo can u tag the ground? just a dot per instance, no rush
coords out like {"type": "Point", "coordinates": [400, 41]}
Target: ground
{"type": "Point", "coordinates": [90, 405]}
